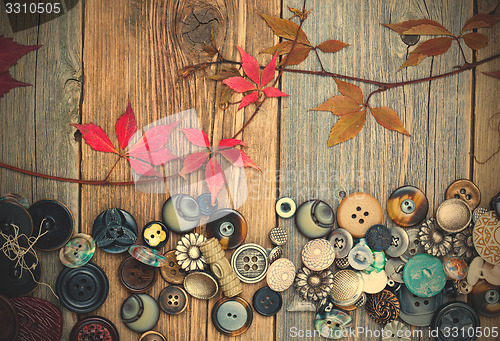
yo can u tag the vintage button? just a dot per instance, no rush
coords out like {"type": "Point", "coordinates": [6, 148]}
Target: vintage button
{"type": "Point", "coordinates": [78, 251]}
{"type": "Point", "coordinates": [250, 263]}
{"type": "Point", "coordinates": [147, 255]}
{"type": "Point", "coordinates": [342, 263]}
{"type": "Point", "coordinates": [10, 320]}
{"type": "Point", "coordinates": [140, 312]}
{"type": "Point", "coordinates": [374, 282]}
{"type": "Point", "coordinates": [455, 268]}
{"type": "Point", "coordinates": [392, 285]}
{"type": "Point", "coordinates": [399, 242]}
{"type": "Point", "coordinates": [280, 275]}
{"type": "Point", "coordinates": [318, 254]}
{"type": "Point", "coordinates": [342, 242]}
{"type": "Point", "coordinates": [495, 204]}
{"type": "Point", "coordinates": [378, 237]}
{"type": "Point", "coordinates": [383, 307]}
{"type": "Point", "coordinates": [285, 207]}
{"type": "Point", "coordinates": [152, 336]}
{"type": "Point", "coordinates": [267, 302]}
{"type": "Point", "coordinates": [232, 316]}
{"type": "Point", "coordinates": [453, 215]}
{"type": "Point", "coordinates": [477, 213]}
{"type": "Point", "coordinates": [435, 241]}
{"type": "Point", "coordinates": [275, 253]}
{"type": "Point", "coordinates": [347, 287]}
{"type": "Point", "coordinates": [38, 319]}
{"type": "Point", "coordinates": [463, 244]}
{"type": "Point", "coordinates": [396, 331]}
{"type": "Point", "coordinates": [181, 213]}
{"type": "Point", "coordinates": [82, 290]}
{"type": "Point", "coordinates": [136, 276]}
{"type": "Point", "coordinates": [201, 285]}
{"type": "Point", "coordinates": [463, 287]}
{"type": "Point", "coordinates": [378, 263]}
{"type": "Point", "coordinates": [360, 256]}
{"type": "Point", "coordinates": [15, 281]}
{"type": "Point", "coordinates": [486, 236]}
{"type": "Point", "coordinates": [424, 275]}
{"type": "Point", "coordinates": [94, 328]}
{"type": "Point", "coordinates": [465, 190]}
{"type": "Point", "coordinates": [451, 289]}
{"type": "Point", "coordinates": [188, 253]}
{"type": "Point", "coordinates": [485, 299]}
{"type": "Point", "coordinates": [297, 303]}
{"type": "Point", "coordinates": [455, 315]}
{"type": "Point", "coordinates": [114, 230]}
{"type": "Point", "coordinates": [313, 285]}
{"type": "Point", "coordinates": [173, 300]}
{"type": "Point", "coordinates": [332, 323]}
{"type": "Point", "coordinates": [491, 273]}
{"type": "Point", "coordinates": [205, 204]}
{"type": "Point", "coordinates": [407, 206]}
{"type": "Point", "coordinates": [278, 236]}
{"type": "Point", "coordinates": [12, 214]}
{"type": "Point", "coordinates": [171, 271]}
{"type": "Point", "coordinates": [394, 269]}
{"type": "Point", "coordinates": [155, 234]}
{"type": "Point", "coordinates": [358, 212]}
{"type": "Point", "coordinates": [418, 311]}
{"type": "Point", "coordinates": [229, 227]}
{"type": "Point", "coordinates": [414, 245]}
{"type": "Point", "coordinates": [53, 221]}
{"type": "Point", "coordinates": [314, 219]}
{"type": "Point", "coordinates": [16, 198]}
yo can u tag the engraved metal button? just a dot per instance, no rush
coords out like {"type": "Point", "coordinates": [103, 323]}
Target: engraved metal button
{"type": "Point", "coordinates": [399, 242]}
{"type": "Point", "coordinates": [477, 213]}
{"type": "Point", "coordinates": [383, 307]}
{"type": "Point", "coordinates": [347, 287]}
{"type": "Point", "coordinates": [453, 215]}
{"type": "Point", "coordinates": [281, 274]}
{"type": "Point", "coordinates": [278, 236]}
{"type": "Point", "coordinates": [313, 285]}
{"type": "Point", "coordinates": [275, 253]}
{"type": "Point", "coordinates": [358, 212]}
{"type": "Point", "coordinates": [342, 263]}
{"type": "Point", "coordinates": [318, 254]}
{"type": "Point", "coordinates": [250, 263]}
{"type": "Point", "coordinates": [286, 207]}
{"type": "Point", "coordinates": [342, 242]}
{"type": "Point", "coordinates": [465, 190]}
{"type": "Point", "coordinates": [435, 241]}
{"type": "Point", "coordinates": [486, 236]}
{"type": "Point", "coordinates": [232, 316]}
{"type": "Point", "coordinates": [407, 206]}
{"type": "Point", "coordinates": [201, 285]}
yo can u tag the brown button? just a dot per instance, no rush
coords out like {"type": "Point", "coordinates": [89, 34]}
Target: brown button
{"type": "Point", "coordinates": [171, 271]}
{"type": "Point", "coordinates": [152, 336]}
{"type": "Point", "coordinates": [137, 277]}
{"type": "Point", "coordinates": [173, 300]}
{"type": "Point", "coordinates": [465, 190]}
{"type": "Point", "coordinates": [358, 212]}
{"type": "Point", "coordinates": [407, 206]}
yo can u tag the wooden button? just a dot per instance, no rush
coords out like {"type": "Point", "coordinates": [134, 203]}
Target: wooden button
{"type": "Point", "coordinates": [383, 307]}
{"type": "Point", "coordinates": [94, 328]}
{"type": "Point", "coordinates": [281, 274]}
{"type": "Point", "coordinates": [453, 215]}
{"type": "Point", "coordinates": [173, 300]}
{"type": "Point", "coordinates": [229, 227]}
{"type": "Point", "coordinates": [152, 336]}
{"type": "Point", "coordinates": [486, 236]}
{"type": "Point", "coordinates": [407, 206]}
{"type": "Point", "coordinates": [465, 190]}
{"type": "Point", "coordinates": [38, 319]}
{"type": "Point", "coordinates": [137, 277]}
{"type": "Point", "coordinates": [171, 271]}
{"type": "Point", "coordinates": [318, 254]}
{"type": "Point", "coordinates": [358, 212]}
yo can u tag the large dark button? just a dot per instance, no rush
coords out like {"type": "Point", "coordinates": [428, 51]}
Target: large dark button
{"type": "Point", "coordinates": [485, 298]}
{"type": "Point", "coordinates": [232, 316]}
{"type": "Point", "coordinates": [455, 316]}
{"type": "Point", "coordinates": [14, 214]}
{"type": "Point", "coordinates": [358, 212]}
{"type": "Point", "coordinates": [465, 190]}
{"type": "Point", "coordinates": [407, 206]}
{"type": "Point", "coordinates": [94, 328]}
{"type": "Point", "coordinates": [54, 220]}
{"type": "Point", "coordinates": [314, 219]}
{"type": "Point", "coordinates": [383, 307]}
{"type": "Point", "coordinates": [16, 198]}
{"type": "Point", "coordinates": [424, 275]}
{"type": "Point", "coordinates": [152, 336]}
{"type": "Point", "coordinates": [10, 320]}
{"type": "Point", "coordinates": [155, 234]}
{"type": "Point", "coordinates": [15, 281]}
{"type": "Point", "coordinates": [378, 237]}
{"type": "Point", "coordinates": [39, 319]}
{"type": "Point", "coordinates": [418, 311]}
{"type": "Point", "coordinates": [84, 289]}
{"type": "Point", "coordinates": [114, 230]}
{"type": "Point", "coordinates": [171, 271]}
{"type": "Point", "coordinates": [267, 302]}
{"type": "Point", "coordinates": [140, 312]}
{"type": "Point", "coordinates": [136, 276]}
{"type": "Point", "coordinates": [229, 227]}
{"type": "Point", "coordinates": [181, 213]}
{"type": "Point", "coordinates": [173, 300]}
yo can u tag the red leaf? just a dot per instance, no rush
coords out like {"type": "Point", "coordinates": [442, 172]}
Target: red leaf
{"type": "Point", "coordinates": [389, 119]}
{"type": "Point", "coordinates": [297, 56]}
{"type": "Point", "coordinates": [239, 84]}
{"type": "Point", "coordinates": [480, 20]}
{"type": "Point", "coordinates": [230, 143]}
{"type": "Point", "coordinates": [339, 105]}
{"type": "Point", "coordinates": [419, 27]}
{"type": "Point", "coordinates": [197, 137]}
{"type": "Point", "coordinates": [495, 74]}
{"type": "Point", "coordinates": [347, 127]}
{"type": "Point", "coordinates": [95, 137]}
{"type": "Point", "coordinates": [7, 83]}
{"type": "Point", "coordinates": [143, 167]}
{"type": "Point", "coordinates": [248, 99]}
{"type": "Point", "coordinates": [238, 158]}
{"type": "Point", "coordinates": [250, 65]}
{"type": "Point", "coordinates": [273, 92]}
{"type": "Point", "coordinates": [214, 178]}
{"type": "Point", "coordinates": [434, 47]}
{"type": "Point", "coordinates": [126, 127]}
{"type": "Point", "coordinates": [247, 162]}
{"type": "Point", "coordinates": [193, 162]}
{"type": "Point", "coordinates": [413, 60]}
{"type": "Point", "coordinates": [268, 73]}
{"type": "Point", "coordinates": [350, 90]}
{"type": "Point", "coordinates": [332, 46]}
{"type": "Point", "coordinates": [286, 29]}
{"type": "Point", "coordinates": [475, 40]}
{"type": "Point", "coordinates": [10, 52]}
{"type": "Point", "coordinates": [151, 147]}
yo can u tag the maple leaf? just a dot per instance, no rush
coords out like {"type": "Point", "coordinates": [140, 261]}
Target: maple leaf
{"type": "Point", "coordinates": [419, 27]}
{"type": "Point", "coordinates": [251, 69]}
{"type": "Point", "coordinates": [95, 137]}
{"type": "Point", "coordinates": [7, 83]}
{"type": "Point", "coordinates": [126, 127]}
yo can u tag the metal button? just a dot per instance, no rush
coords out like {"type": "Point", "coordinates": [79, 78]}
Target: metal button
{"type": "Point", "coordinates": [465, 190]}
{"type": "Point", "coordinates": [267, 302]}
{"type": "Point", "coordinates": [485, 299]}
{"type": "Point", "coordinates": [250, 263]}
{"type": "Point", "coordinates": [314, 219]}
{"type": "Point", "coordinates": [360, 256]}
{"type": "Point", "coordinates": [374, 282]}
{"type": "Point", "coordinates": [155, 234]}
{"type": "Point", "coordinates": [424, 275]}
{"type": "Point", "coordinates": [407, 206]}
{"type": "Point", "coordinates": [171, 271]}
{"type": "Point", "coordinates": [358, 212]}
{"type": "Point", "coordinates": [136, 276]}
{"type": "Point", "coordinates": [342, 263]}
{"type": "Point", "coordinates": [275, 253]}
{"type": "Point", "coordinates": [229, 227]}
{"type": "Point", "coordinates": [285, 207]}
{"type": "Point", "coordinates": [378, 237]}
{"type": "Point", "coordinates": [394, 269]}
{"type": "Point", "coordinates": [205, 204]}
{"type": "Point", "coordinates": [188, 253]}
{"type": "Point", "coordinates": [201, 285]}
{"type": "Point", "coordinates": [342, 242]}
{"type": "Point", "coordinates": [278, 236]}
{"type": "Point", "coordinates": [173, 300]}
{"type": "Point", "coordinates": [232, 316]}
{"type": "Point", "coordinates": [383, 307]}
{"type": "Point", "coordinates": [435, 241]}
{"type": "Point", "coordinates": [147, 255]}
{"type": "Point", "coordinates": [417, 311]}
{"type": "Point", "coordinates": [78, 251]}
{"type": "Point", "coordinates": [463, 244]}
{"type": "Point", "coordinates": [114, 230]}
{"type": "Point", "coordinates": [486, 236]}
{"type": "Point", "coordinates": [281, 274]}
{"type": "Point", "coordinates": [455, 315]}
{"type": "Point", "coordinates": [318, 254]}
{"type": "Point", "coordinates": [453, 215]}
{"type": "Point", "coordinates": [181, 213]}
{"type": "Point", "coordinates": [347, 287]}
{"type": "Point", "coordinates": [396, 331]}
{"type": "Point", "coordinates": [313, 285]}
{"type": "Point", "coordinates": [477, 213]}
{"type": "Point", "coordinates": [414, 245]}
{"type": "Point", "coordinates": [332, 323]}
{"type": "Point", "coordinates": [399, 242]}
{"type": "Point", "coordinates": [94, 328]}
{"type": "Point", "coordinates": [152, 336]}
{"type": "Point", "coordinates": [140, 312]}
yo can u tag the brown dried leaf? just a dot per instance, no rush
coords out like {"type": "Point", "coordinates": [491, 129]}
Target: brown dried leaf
{"type": "Point", "coordinates": [434, 47]}
{"type": "Point", "coordinates": [419, 27]}
{"type": "Point", "coordinates": [297, 56]}
{"type": "Point", "coordinates": [347, 127]}
{"type": "Point", "coordinates": [480, 20]}
{"type": "Point", "coordinates": [413, 60]}
{"type": "Point", "coordinates": [210, 50]}
{"type": "Point", "coordinates": [338, 105]}
{"type": "Point", "coordinates": [475, 40]}
{"type": "Point", "coordinates": [286, 29]}
{"type": "Point", "coordinates": [283, 48]}
{"type": "Point", "coordinates": [225, 97]}
{"type": "Point", "coordinates": [389, 119]}
{"type": "Point", "coordinates": [225, 73]}
{"type": "Point", "coordinates": [332, 46]}
{"type": "Point", "coordinates": [350, 90]}
{"type": "Point", "coordinates": [298, 13]}
{"type": "Point", "coordinates": [495, 74]}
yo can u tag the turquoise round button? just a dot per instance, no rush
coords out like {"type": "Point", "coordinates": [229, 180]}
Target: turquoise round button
{"type": "Point", "coordinates": [424, 275]}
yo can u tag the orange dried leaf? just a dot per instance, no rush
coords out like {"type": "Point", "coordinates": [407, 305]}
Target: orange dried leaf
{"type": "Point", "coordinates": [389, 119]}
{"type": "Point", "coordinates": [475, 40]}
{"type": "Point", "coordinates": [332, 46]}
{"type": "Point", "coordinates": [480, 20]}
{"type": "Point", "coordinates": [338, 105]}
{"type": "Point", "coordinates": [286, 29]}
{"type": "Point", "coordinates": [413, 60]}
{"type": "Point", "coordinates": [284, 48]}
{"type": "Point", "coordinates": [419, 27]}
{"type": "Point", "coordinates": [297, 56]}
{"type": "Point", "coordinates": [495, 74]}
{"type": "Point", "coordinates": [434, 47]}
{"type": "Point", "coordinates": [347, 127]}
{"type": "Point", "coordinates": [350, 90]}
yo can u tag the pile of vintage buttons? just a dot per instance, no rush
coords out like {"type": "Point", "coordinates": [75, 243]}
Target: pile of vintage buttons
{"type": "Point", "coordinates": [413, 271]}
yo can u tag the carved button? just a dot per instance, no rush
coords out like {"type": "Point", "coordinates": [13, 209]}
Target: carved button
{"type": "Point", "coordinates": [229, 227]}
{"type": "Point", "coordinates": [314, 219]}
{"type": "Point", "coordinates": [275, 253]}
{"type": "Point", "coordinates": [407, 206]}
{"type": "Point", "coordinates": [455, 315]}
{"type": "Point", "coordinates": [281, 274]}
{"type": "Point", "coordinates": [477, 213]}
{"type": "Point", "coordinates": [318, 254]}
{"type": "Point", "coordinates": [453, 215]}
{"type": "Point", "coordinates": [342, 263]}
{"type": "Point", "coordinates": [94, 328]}
{"type": "Point", "coordinates": [10, 320]}
{"type": "Point", "coordinates": [285, 207]}
{"type": "Point", "coordinates": [278, 236]}
{"type": "Point", "coordinates": [114, 230]}
{"type": "Point", "coordinates": [465, 190]}
{"type": "Point", "coordinates": [358, 212]}
{"type": "Point", "coordinates": [171, 271]}
{"type": "Point", "coordinates": [463, 244]}
{"type": "Point", "coordinates": [342, 242]}
{"type": "Point", "coordinates": [486, 236]}
{"type": "Point", "coordinates": [347, 287]}
{"type": "Point", "coordinates": [313, 285]}
{"type": "Point", "coordinates": [378, 237]}
{"type": "Point", "coordinates": [147, 255]}
{"type": "Point", "coordinates": [250, 263]}
{"type": "Point", "coordinates": [38, 319]}
{"type": "Point", "coordinates": [360, 256]}
{"type": "Point", "coordinates": [12, 214]}
{"type": "Point", "coordinates": [78, 251]}
{"type": "Point", "coordinates": [140, 312]}
{"type": "Point", "coordinates": [155, 234]}
{"type": "Point", "coordinates": [383, 307]}
{"type": "Point", "coordinates": [434, 240]}
{"type": "Point", "coordinates": [173, 300]}
{"type": "Point", "coordinates": [205, 203]}
{"type": "Point", "coordinates": [485, 299]}
{"type": "Point", "coordinates": [399, 242]}
{"type": "Point", "coordinates": [232, 316]}
{"type": "Point", "coordinates": [152, 336]}
{"type": "Point", "coordinates": [181, 213]}
{"type": "Point", "coordinates": [267, 302]}
{"type": "Point", "coordinates": [418, 311]}
{"type": "Point", "coordinates": [414, 245]}
{"type": "Point", "coordinates": [332, 323]}
{"type": "Point", "coordinates": [424, 275]}
{"type": "Point", "coordinates": [374, 282]}
{"type": "Point", "coordinates": [136, 276]}
{"type": "Point", "coordinates": [394, 269]}
{"type": "Point", "coordinates": [455, 268]}
{"type": "Point", "coordinates": [16, 282]}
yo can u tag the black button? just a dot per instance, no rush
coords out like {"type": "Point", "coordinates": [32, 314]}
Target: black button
{"type": "Point", "coordinates": [84, 289]}
{"type": "Point", "coordinates": [418, 311]}
{"type": "Point", "coordinates": [232, 316]}
{"type": "Point", "coordinates": [16, 282]}
{"type": "Point", "coordinates": [229, 227]}
{"type": "Point", "coordinates": [267, 302]}
{"type": "Point", "coordinates": [14, 214]}
{"type": "Point", "coordinates": [173, 300]}
{"type": "Point", "coordinates": [155, 234]}
{"type": "Point", "coordinates": [94, 328]}
{"type": "Point", "coordinates": [378, 237]}
{"type": "Point", "coordinates": [455, 315]}
{"type": "Point", "coordinates": [10, 320]}
{"type": "Point", "coordinates": [114, 230]}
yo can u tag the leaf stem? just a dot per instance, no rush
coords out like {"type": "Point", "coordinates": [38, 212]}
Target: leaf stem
{"type": "Point", "coordinates": [112, 168]}
{"type": "Point", "coordinates": [319, 59]}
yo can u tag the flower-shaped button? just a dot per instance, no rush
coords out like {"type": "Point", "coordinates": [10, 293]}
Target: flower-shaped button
{"type": "Point", "coordinates": [318, 254]}
{"type": "Point", "coordinates": [155, 234]}
{"type": "Point", "coordinates": [188, 252]}
{"type": "Point", "coordinates": [313, 285]}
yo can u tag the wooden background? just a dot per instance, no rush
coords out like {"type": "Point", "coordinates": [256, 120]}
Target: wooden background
{"type": "Point", "coordinates": [103, 53]}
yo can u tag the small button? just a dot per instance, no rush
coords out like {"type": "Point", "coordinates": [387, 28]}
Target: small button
{"type": "Point", "coordinates": [205, 203]}
{"type": "Point", "coordinates": [94, 328]}
{"type": "Point", "coordinates": [188, 253]}
{"type": "Point", "coordinates": [281, 274]}
{"type": "Point", "coordinates": [16, 283]}
{"type": "Point", "coordinates": [229, 227]}
{"type": "Point", "coordinates": [314, 219]}
{"type": "Point", "coordinates": [267, 302]}
{"type": "Point", "coordinates": [360, 256]}
{"type": "Point", "coordinates": [171, 271]}
{"type": "Point", "coordinates": [464, 190]}
{"type": "Point", "coordinates": [495, 204]}
{"type": "Point", "coordinates": [378, 237]}
{"type": "Point", "coordinates": [407, 206]}
{"type": "Point", "coordinates": [250, 263]}
{"type": "Point", "coordinates": [435, 241]}
{"type": "Point", "coordinates": [155, 234]}
{"type": "Point", "coordinates": [232, 316]}
{"type": "Point", "coordinates": [491, 273]}
{"type": "Point", "coordinates": [477, 213]}
{"type": "Point", "coordinates": [347, 287]}
{"type": "Point", "coordinates": [463, 244]}
{"type": "Point", "coordinates": [114, 230]}
{"type": "Point", "coordinates": [342, 263]}
{"type": "Point", "coordinates": [392, 285]}
{"type": "Point", "coordinates": [313, 285]}
{"type": "Point", "coordinates": [374, 282]}
{"type": "Point", "coordinates": [383, 307]}
{"type": "Point", "coordinates": [455, 315]}
{"type": "Point", "coordinates": [378, 263]}
{"type": "Point", "coordinates": [358, 212]}
{"type": "Point", "coordinates": [275, 253]}
{"type": "Point", "coordinates": [147, 255]}
{"type": "Point", "coordinates": [152, 336]}
{"type": "Point", "coordinates": [418, 311]}
{"type": "Point", "coordinates": [394, 269]}
{"type": "Point", "coordinates": [78, 251]}
{"type": "Point", "coordinates": [201, 285]}
{"type": "Point", "coordinates": [173, 300]}
{"type": "Point", "coordinates": [463, 287]}
{"type": "Point", "coordinates": [455, 268]}
{"type": "Point", "coordinates": [318, 254]}
{"type": "Point", "coordinates": [414, 245]}
{"type": "Point", "coordinates": [181, 213]}
{"type": "Point", "coordinates": [424, 275]}
{"type": "Point", "coordinates": [140, 312]}
{"type": "Point", "coordinates": [399, 242]}
{"type": "Point", "coordinates": [453, 215]}
{"type": "Point", "coordinates": [485, 299]}
{"type": "Point", "coordinates": [451, 289]}
{"type": "Point", "coordinates": [10, 320]}
{"type": "Point", "coordinates": [136, 276]}
{"type": "Point", "coordinates": [285, 207]}
{"type": "Point", "coordinates": [278, 236]}
{"type": "Point", "coordinates": [396, 331]}
{"type": "Point", "coordinates": [342, 242]}
{"type": "Point", "coordinates": [332, 323]}
{"type": "Point", "coordinates": [486, 236]}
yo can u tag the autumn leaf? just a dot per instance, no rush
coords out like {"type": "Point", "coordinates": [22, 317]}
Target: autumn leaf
{"type": "Point", "coordinates": [297, 56]}
{"type": "Point", "coordinates": [419, 27]}
{"type": "Point", "coordinates": [8, 83]}
{"type": "Point", "coordinates": [95, 137]}
{"type": "Point", "coordinates": [347, 127]}
{"type": "Point", "coordinates": [126, 127]}
{"type": "Point", "coordinates": [286, 29]}
{"type": "Point", "coordinates": [10, 52]}
{"type": "Point", "coordinates": [250, 65]}
{"type": "Point", "coordinates": [239, 84]}
{"type": "Point", "coordinates": [197, 137]}
{"type": "Point", "coordinates": [495, 74]}
{"type": "Point", "coordinates": [193, 162]}
{"type": "Point", "coordinates": [210, 50]}
{"type": "Point", "coordinates": [298, 13]}
{"type": "Point", "coordinates": [238, 158]}
{"type": "Point", "coordinates": [350, 90]}
{"type": "Point", "coordinates": [479, 21]}
{"type": "Point", "coordinates": [331, 46]}
{"type": "Point", "coordinates": [152, 146]}
{"type": "Point", "coordinates": [143, 167]}
{"type": "Point", "coordinates": [229, 143]}
{"type": "Point", "coordinates": [339, 105]}
{"type": "Point", "coordinates": [225, 97]}
{"type": "Point", "coordinates": [413, 60]}
{"type": "Point", "coordinates": [214, 178]}
{"type": "Point", "coordinates": [475, 40]}
{"type": "Point", "coordinates": [431, 47]}
{"type": "Point", "coordinates": [389, 119]}
{"type": "Point", "coordinates": [225, 73]}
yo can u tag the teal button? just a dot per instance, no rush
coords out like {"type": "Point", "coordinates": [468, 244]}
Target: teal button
{"type": "Point", "coordinates": [424, 275]}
